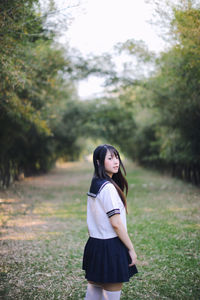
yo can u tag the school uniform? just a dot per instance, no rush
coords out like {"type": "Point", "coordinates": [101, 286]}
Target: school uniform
{"type": "Point", "coordinates": [105, 258]}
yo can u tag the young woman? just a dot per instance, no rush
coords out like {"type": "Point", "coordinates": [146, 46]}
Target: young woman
{"type": "Point", "coordinates": [109, 257]}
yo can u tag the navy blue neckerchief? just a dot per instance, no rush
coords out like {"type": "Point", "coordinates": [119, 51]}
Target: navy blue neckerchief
{"type": "Point", "coordinates": [96, 186]}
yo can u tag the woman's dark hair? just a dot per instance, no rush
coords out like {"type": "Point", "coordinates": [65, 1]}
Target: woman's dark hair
{"type": "Point", "coordinates": [118, 180]}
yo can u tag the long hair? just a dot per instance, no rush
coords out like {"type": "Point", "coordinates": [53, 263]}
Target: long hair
{"type": "Point", "coordinates": [118, 179]}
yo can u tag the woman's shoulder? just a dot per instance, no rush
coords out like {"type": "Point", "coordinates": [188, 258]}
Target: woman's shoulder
{"type": "Point", "coordinates": [109, 197]}
{"type": "Point", "coordinates": [97, 185]}
{"type": "Point", "coordinates": [108, 190]}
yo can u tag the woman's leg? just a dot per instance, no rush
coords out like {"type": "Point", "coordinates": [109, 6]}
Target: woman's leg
{"type": "Point", "coordinates": [103, 291]}
{"type": "Point", "coordinates": [94, 291]}
{"type": "Point", "coordinates": [111, 291]}
{"type": "Point", "coordinates": [112, 287]}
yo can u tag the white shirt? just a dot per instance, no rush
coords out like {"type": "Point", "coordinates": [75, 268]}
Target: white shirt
{"type": "Point", "coordinates": [99, 209]}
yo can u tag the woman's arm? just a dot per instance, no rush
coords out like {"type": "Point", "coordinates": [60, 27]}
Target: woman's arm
{"type": "Point", "coordinates": [120, 230]}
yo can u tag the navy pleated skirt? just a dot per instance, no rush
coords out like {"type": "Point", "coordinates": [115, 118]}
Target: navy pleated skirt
{"type": "Point", "coordinates": [106, 261]}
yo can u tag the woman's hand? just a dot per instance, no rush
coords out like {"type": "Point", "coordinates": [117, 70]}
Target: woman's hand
{"type": "Point", "coordinates": [133, 257]}
{"type": "Point", "coordinates": [120, 230]}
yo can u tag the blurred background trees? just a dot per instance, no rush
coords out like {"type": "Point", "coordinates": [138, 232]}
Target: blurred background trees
{"type": "Point", "coordinates": [34, 91]}
{"type": "Point", "coordinates": [153, 117]}
{"type": "Point", "coordinates": [168, 136]}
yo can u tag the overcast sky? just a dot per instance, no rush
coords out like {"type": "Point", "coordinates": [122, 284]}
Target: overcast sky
{"type": "Point", "coordinates": [98, 25]}
{"type": "Point", "coordinates": [103, 23]}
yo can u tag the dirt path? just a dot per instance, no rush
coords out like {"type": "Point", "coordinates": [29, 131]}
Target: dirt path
{"type": "Point", "coordinates": [35, 212]}
{"type": "Point", "coordinates": [43, 233]}
{"type": "Point", "coordinates": [19, 204]}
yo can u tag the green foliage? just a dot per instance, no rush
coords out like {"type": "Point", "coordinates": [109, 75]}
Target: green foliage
{"type": "Point", "coordinates": [166, 104]}
{"type": "Point", "coordinates": [136, 48]}
{"type": "Point", "coordinates": [71, 128]}
{"type": "Point", "coordinates": [34, 93]}
{"type": "Point", "coordinates": [176, 93]}
{"type": "Point", "coordinates": [154, 120]}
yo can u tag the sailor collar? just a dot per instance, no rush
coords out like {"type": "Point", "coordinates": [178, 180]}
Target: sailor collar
{"type": "Point", "coordinates": [97, 185]}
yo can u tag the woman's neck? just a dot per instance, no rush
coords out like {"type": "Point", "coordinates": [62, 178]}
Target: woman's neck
{"type": "Point", "coordinates": [109, 174]}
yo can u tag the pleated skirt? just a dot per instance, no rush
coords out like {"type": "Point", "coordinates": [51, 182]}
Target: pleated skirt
{"type": "Point", "coordinates": [107, 261]}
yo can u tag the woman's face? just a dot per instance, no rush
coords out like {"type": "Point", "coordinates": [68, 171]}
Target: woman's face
{"type": "Point", "coordinates": [111, 163]}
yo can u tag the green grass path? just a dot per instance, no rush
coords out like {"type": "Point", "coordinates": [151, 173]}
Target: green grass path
{"type": "Point", "coordinates": [43, 233]}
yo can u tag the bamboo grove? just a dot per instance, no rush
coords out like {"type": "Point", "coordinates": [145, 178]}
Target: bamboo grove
{"type": "Point", "coordinates": [154, 119]}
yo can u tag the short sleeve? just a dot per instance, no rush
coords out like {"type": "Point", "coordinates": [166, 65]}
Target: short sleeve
{"type": "Point", "coordinates": [109, 199]}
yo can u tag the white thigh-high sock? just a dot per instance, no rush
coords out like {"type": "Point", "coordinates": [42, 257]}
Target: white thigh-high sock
{"type": "Point", "coordinates": [108, 295]}
{"type": "Point", "coordinates": [93, 292]}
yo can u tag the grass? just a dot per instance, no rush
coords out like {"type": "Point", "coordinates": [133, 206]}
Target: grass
{"type": "Point", "coordinates": [44, 231]}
